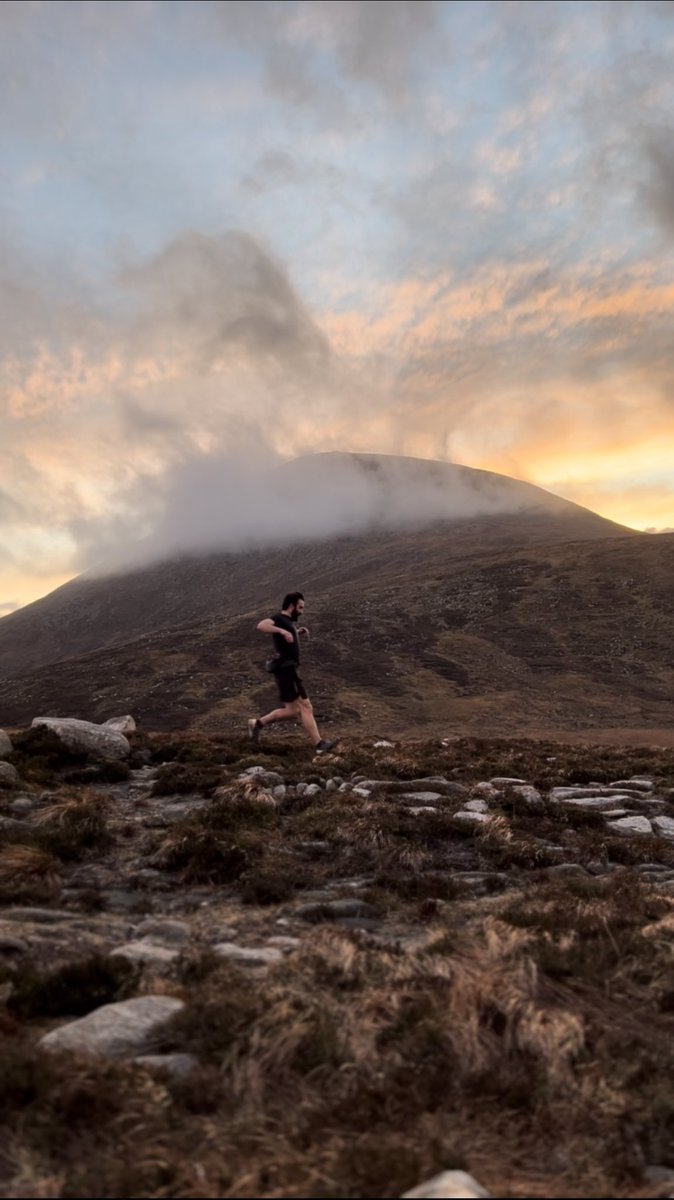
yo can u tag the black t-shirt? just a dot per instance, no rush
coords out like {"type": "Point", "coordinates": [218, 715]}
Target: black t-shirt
{"type": "Point", "coordinates": [289, 651]}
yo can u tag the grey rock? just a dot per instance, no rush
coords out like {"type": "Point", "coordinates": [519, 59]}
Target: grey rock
{"type": "Point", "coordinates": [9, 776]}
{"type": "Point", "coordinates": [570, 870]}
{"type": "Point", "coordinates": [85, 737]}
{"type": "Point", "coordinates": [146, 954]}
{"type": "Point", "coordinates": [420, 797]}
{"type": "Point", "coordinates": [23, 804]}
{"type": "Point", "coordinates": [284, 942]}
{"type": "Point", "coordinates": [449, 1185]}
{"type": "Point", "coordinates": [478, 806]}
{"type": "Point", "coordinates": [589, 803]}
{"type": "Point", "coordinates": [432, 783]}
{"type": "Point", "coordinates": [38, 916]}
{"type": "Point", "coordinates": [120, 1030]}
{"type": "Point", "coordinates": [362, 792]}
{"type": "Point", "coordinates": [663, 826]}
{"type": "Point", "coordinates": [631, 826]}
{"type": "Point", "coordinates": [12, 945]}
{"type": "Point", "coordinates": [505, 781]}
{"type": "Point", "coordinates": [345, 786]}
{"type": "Point", "coordinates": [5, 744]}
{"type": "Point", "coordinates": [313, 790]}
{"type": "Point", "coordinates": [486, 789]}
{"type": "Point", "coordinates": [529, 794]}
{"type": "Point", "coordinates": [335, 910]}
{"type": "Point", "coordinates": [172, 932]}
{"type": "Point", "coordinates": [301, 788]}
{"type": "Point", "coordinates": [279, 791]}
{"type": "Point", "coordinates": [471, 818]}
{"type": "Point", "coordinates": [13, 826]}
{"type": "Point", "coordinates": [424, 808]}
{"type": "Point", "coordinates": [265, 956]}
{"type": "Point", "coordinates": [331, 786]}
{"type": "Point", "coordinates": [262, 775]}
{"type": "Point", "coordinates": [178, 1065]}
{"type": "Point", "coordinates": [641, 782]}
{"type": "Point", "coordinates": [121, 724]}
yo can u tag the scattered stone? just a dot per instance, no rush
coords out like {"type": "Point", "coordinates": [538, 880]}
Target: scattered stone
{"type": "Point", "coordinates": [265, 956]}
{"type": "Point", "coordinates": [449, 1185]}
{"type": "Point", "coordinates": [475, 818]}
{"type": "Point", "coordinates": [333, 910]}
{"type": "Point", "coordinates": [10, 825]}
{"type": "Point", "coordinates": [23, 804]}
{"type": "Point", "coordinates": [478, 806]}
{"type": "Point", "coordinates": [422, 809]}
{"type": "Point", "coordinates": [279, 791]}
{"type": "Point", "coordinates": [384, 745]}
{"type": "Point", "coordinates": [12, 945]}
{"type": "Point", "coordinates": [487, 790]}
{"type": "Point", "coordinates": [84, 737]}
{"type": "Point", "coordinates": [345, 786]}
{"type": "Point", "coordinates": [178, 1065]}
{"type": "Point", "coordinates": [571, 870]}
{"type": "Point", "coordinates": [331, 785]}
{"type": "Point", "coordinates": [631, 826]}
{"type": "Point", "coordinates": [284, 942]}
{"type": "Point", "coordinates": [5, 744]}
{"type": "Point", "coordinates": [419, 797]}
{"type": "Point", "coordinates": [313, 789]}
{"type": "Point", "coordinates": [9, 776]}
{"type": "Point", "coordinates": [663, 826]}
{"type": "Point", "coordinates": [568, 793]}
{"type": "Point", "coordinates": [116, 1030]}
{"type": "Point", "coordinates": [361, 792]}
{"type": "Point", "coordinates": [146, 954]}
{"type": "Point", "coordinates": [641, 782]}
{"type": "Point", "coordinates": [121, 724]}
{"type": "Point", "coordinates": [262, 775]}
{"type": "Point", "coordinates": [589, 803]}
{"type": "Point", "coordinates": [38, 916]}
{"type": "Point", "coordinates": [505, 781]}
{"type": "Point", "coordinates": [529, 794]}
{"type": "Point", "coordinates": [434, 783]}
{"type": "Point", "coordinates": [173, 932]}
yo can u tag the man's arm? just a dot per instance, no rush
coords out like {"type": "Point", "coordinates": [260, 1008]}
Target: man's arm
{"type": "Point", "coordinates": [268, 626]}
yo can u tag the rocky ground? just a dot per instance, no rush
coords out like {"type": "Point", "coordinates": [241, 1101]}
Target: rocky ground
{"type": "Point", "coordinates": [235, 971]}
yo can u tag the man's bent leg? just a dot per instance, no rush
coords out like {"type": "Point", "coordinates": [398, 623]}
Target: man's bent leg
{"type": "Point", "coordinates": [308, 720]}
{"type": "Point", "coordinates": [289, 711]}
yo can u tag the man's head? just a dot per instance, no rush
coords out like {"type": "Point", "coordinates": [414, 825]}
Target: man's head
{"type": "Point", "coordinates": [293, 605]}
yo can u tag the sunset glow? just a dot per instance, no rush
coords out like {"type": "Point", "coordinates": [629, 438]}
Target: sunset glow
{"type": "Point", "coordinates": [239, 231]}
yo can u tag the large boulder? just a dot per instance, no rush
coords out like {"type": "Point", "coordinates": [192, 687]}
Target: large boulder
{"type": "Point", "coordinates": [120, 1030]}
{"type": "Point", "coordinates": [84, 737]}
{"type": "Point", "coordinates": [5, 744]}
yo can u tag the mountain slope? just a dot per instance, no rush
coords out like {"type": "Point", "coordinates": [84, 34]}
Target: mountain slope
{"type": "Point", "coordinates": [410, 632]}
{"type": "Point", "coordinates": [390, 501]}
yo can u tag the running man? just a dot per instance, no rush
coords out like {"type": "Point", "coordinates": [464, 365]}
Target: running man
{"type": "Point", "coordinates": [295, 704]}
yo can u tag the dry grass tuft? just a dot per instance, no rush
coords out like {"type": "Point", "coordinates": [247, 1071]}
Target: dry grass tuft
{"type": "Point", "coordinates": [27, 875]}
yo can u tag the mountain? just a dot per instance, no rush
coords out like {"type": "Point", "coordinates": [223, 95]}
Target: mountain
{"type": "Point", "coordinates": [523, 613]}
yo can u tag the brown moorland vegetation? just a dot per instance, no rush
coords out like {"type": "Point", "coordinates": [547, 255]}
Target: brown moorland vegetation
{"type": "Point", "coordinates": [522, 1030]}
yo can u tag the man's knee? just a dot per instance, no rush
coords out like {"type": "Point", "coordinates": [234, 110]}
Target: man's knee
{"type": "Point", "coordinates": [305, 704]}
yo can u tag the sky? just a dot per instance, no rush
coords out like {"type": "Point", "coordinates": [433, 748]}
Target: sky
{"type": "Point", "coordinates": [234, 233]}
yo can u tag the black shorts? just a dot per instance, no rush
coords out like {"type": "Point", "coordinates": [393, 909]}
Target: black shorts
{"type": "Point", "coordinates": [290, 686]}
